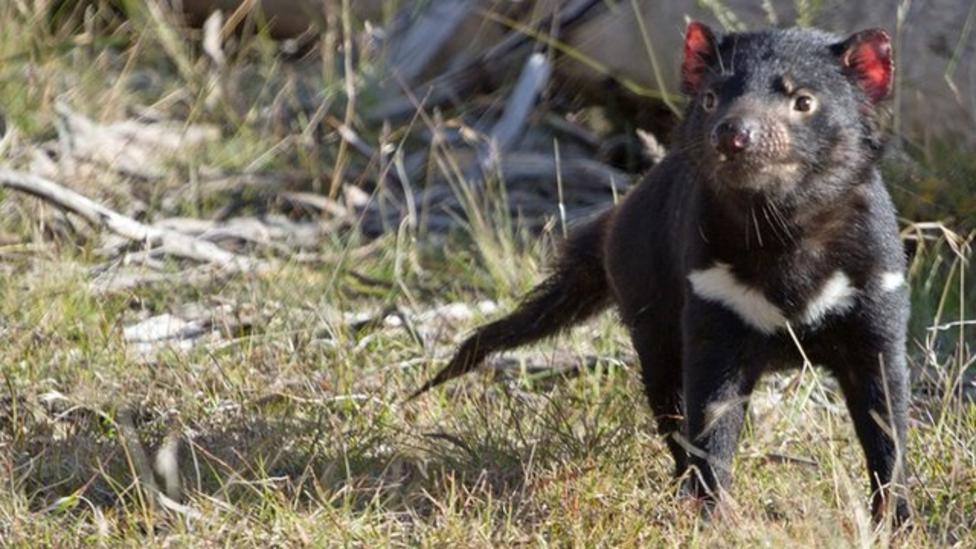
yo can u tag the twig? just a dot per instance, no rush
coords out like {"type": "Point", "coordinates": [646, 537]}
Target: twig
{"type": "Point", "coordinates": [170, 241]}
{"type": "Point", "coordinates": [128, 280]}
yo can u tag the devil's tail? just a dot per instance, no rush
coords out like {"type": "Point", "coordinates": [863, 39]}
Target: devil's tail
{"type": "Point", "coordinates": [576, 290]}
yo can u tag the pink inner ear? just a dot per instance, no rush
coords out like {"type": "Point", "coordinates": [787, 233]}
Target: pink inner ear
{"type": "Point", "coordinates": [869, 56]}
{"type": "Point", "coordinates": [699, 47]}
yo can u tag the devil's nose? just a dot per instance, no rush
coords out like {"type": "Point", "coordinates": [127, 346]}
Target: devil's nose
{"type": "Point", "coordinates": [733, 135]}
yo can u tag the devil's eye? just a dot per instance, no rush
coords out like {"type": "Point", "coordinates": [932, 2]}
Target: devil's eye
{"type": "Point", "coordinates": [709, 101]}
{"type": "Point", "coordinates": [804, 103]}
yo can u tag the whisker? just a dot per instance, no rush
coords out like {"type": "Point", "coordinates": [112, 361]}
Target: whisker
{"type": "Point", "coordinates": [755, 222]}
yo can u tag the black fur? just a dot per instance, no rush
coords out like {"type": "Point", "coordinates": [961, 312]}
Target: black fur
{"type": "Point", "coordinates": [800, 202]}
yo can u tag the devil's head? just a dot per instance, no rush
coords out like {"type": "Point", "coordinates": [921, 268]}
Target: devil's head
{"type": "Point", "coordinates": [785, 113]}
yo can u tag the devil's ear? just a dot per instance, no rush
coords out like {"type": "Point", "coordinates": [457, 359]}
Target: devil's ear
{"type": "Point", "coordinates": [701, 51]}
{"type": "Point", "coordinates": [866, 57]}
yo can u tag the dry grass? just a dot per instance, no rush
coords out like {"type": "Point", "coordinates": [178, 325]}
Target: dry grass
{"type": "Point", "coordinates": [291, 429]}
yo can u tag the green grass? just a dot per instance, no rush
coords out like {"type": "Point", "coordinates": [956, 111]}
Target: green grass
{"type": "Point", "coordinates": [293, 431]}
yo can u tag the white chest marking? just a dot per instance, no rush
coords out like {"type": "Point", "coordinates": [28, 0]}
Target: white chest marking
{"type": "Point", "coordinates": [892, 281]}
{"type": "Point", "coordinates": [718, 284]}
{"type": "Point", "coordinates": [836, 296]}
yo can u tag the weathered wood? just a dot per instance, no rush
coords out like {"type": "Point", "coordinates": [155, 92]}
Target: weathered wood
{"type": "Point", "coordinates": [171, 242]}
{"type": "Point", "coordinates": [131, 147]}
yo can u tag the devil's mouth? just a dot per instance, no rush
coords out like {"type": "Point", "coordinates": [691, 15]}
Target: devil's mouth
{"type": "Point", "coordinates": [751, 164]}
{"type": "Point", "coordinates": [756, 173]}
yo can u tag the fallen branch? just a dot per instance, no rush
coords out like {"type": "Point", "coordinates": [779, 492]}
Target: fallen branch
{"type": "Point", "coordinates": [127, 280]}
{"type": "Point", "coordinates": [169, 241]}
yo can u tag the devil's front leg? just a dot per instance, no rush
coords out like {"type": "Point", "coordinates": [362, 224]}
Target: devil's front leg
{"type": "Point", "coordinates": [722, 361]}
{"type": "Point", "coordinates": [871, 369]}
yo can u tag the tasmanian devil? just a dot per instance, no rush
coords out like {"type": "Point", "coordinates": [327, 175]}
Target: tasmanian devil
{"type": "Point", "coordinates": [766, 228]}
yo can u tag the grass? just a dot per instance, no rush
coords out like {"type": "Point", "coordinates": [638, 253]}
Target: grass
{"type": "Point", "coordinates": [292, 431]}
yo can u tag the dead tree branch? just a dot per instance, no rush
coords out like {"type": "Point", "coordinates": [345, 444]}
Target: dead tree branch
{"type": "Point", "coordinates": [169, 241]}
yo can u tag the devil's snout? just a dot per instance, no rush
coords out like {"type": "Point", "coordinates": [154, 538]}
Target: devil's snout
{"type": "Point", "coordinates": [734, 135]}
